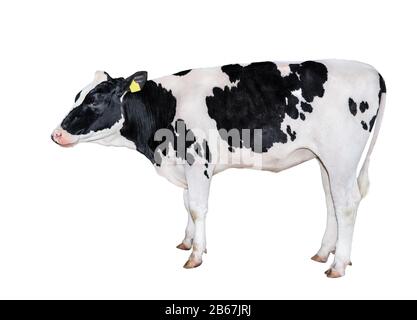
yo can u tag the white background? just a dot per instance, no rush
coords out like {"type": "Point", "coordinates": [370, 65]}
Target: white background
{"type": "Point", "coordinates": [97, 222]}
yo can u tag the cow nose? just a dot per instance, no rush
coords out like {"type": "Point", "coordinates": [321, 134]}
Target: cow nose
{"type": "Point", "coordinates": [57, 134]}
{"type": "Point", "coordinates": [63, 138]}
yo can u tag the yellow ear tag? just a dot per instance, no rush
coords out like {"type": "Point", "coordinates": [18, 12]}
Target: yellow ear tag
{"type": "Point", "coordinates": [134, 86]}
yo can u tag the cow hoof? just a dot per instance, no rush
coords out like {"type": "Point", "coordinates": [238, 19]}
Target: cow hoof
{"type": "Point", "coordinates": [331, 273]}
{"type": "Point", "coordinates": [183, 246]}
{"type": "Point", "coordinates": [319, 259]}
{"type": "Point", "coordinates": [191, 263]}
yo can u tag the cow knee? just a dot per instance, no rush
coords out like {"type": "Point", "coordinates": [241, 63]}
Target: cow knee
{"type": "Point", "coordinates": [197, 210]}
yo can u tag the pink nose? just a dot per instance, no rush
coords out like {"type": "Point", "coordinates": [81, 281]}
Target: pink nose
{"type": "Point", "coordinates": [56, 134]}
{"type": "Point", "coordinates": [62, 137]}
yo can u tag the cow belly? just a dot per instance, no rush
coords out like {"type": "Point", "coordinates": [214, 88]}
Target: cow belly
{"type": "Point", "coordinates": [270, 161]}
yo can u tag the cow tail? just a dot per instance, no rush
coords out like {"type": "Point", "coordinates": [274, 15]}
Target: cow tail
{"type": "Point", "coordinates": [363, 179]}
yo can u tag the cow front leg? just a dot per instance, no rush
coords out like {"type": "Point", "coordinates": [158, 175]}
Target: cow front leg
{"type": "Point", "coordinates": [328, 243]}
{"type": "Point", "coordinates": [198, 192]}
{"type": "Point", "coordinates": [187, 243]}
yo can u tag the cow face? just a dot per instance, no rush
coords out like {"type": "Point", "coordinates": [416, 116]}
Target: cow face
{"type": "Point", "coordinates": [97, 112]}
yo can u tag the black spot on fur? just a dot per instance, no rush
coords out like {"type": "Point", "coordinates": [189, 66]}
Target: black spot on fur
{"type": "Point", "coordinates": [364, 125]}
{"type": "Point", "coordinates": [363, 106]}
{"type": "Point", "coordinates": [207, 153]}
{"type": "Point", "coordinates": [190, 159]}
{"type": "Point", "coordinates": [291, 109]}
{"type": "Point", "coordinates": [182, 73]}
{"type": "Point", "coordinates": [306, 107]}
{"type": "Point", "coordinates": [197, 149]}
{"type": "Point", "coordinates": [302, 116]}
{"type": "Point", "coordinates": [77, 96]}
{"type": "Point", "coordinates": [291, 133]}
{"type": "Point", "coordinates": [382, 87]}
{"type": "Point", "coordinates": [184, 135]}
{"type": "Point", "coordinates": [353, 107]}
{"type": "Point", "coordinates": [262, 98]}
{"type": "Point", "coordinates": [312, 76]}
{"type": "Point", "coordinates": [145, 112]}
{"type": "Point", "coordinates": [233, 71]}
{"type": "Point", "coordinates": [372, 122]}
{"type": "Point", "coordinates": [206, 174]}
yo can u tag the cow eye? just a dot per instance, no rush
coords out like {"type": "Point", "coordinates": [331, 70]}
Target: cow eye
{"type": "Point", "coordinates": [89, 100]}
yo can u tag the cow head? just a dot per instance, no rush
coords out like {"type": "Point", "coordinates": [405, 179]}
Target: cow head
{"type": "Point", "coordinates": [97, 112]}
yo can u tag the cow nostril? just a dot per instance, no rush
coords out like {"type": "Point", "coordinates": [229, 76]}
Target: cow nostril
{"type": "Point", "coordinates": [53, 138]}
{"type": "Point", "coordinates": [57, 134]}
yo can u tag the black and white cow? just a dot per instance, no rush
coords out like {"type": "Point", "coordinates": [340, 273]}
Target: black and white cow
{"type": "Point", "coordinates": [265, 115]}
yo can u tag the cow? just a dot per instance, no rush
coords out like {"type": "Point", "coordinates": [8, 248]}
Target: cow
{"type": "Point", "coordinates": [267, 115]}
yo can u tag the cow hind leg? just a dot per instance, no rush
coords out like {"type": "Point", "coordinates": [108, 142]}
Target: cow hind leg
{"type": "Point", "coordinates": [328, 243]}
{"type": "Point", "coordinates": [346, 197]}
{"type": "Point", "coordinates": [187, 242]}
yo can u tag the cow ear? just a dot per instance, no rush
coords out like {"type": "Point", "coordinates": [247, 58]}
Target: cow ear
{"type": "Point", "coordinates": [108, 76]}
{"type": "Point", "coordinates": [101, 76]}
{"type": "Point", "coordinates": [136, 81]}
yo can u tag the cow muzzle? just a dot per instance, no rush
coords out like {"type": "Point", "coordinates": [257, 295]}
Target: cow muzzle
{"type": "Point", "coordinates": [63, 138]}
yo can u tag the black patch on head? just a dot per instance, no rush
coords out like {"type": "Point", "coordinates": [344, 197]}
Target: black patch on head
{"type": "Point", "coordinates": [77, 96]}
{"type": "Point", "coordinates": [145, 112]}
{"type": "Point", "coordinates": [364, 125]}
{"type": "Point", "coordinates": [382, 87]}
{"type": "Point", "coordinates": [291, 133]}
{"type": "Point", "coordinates": [262, 98]}
{"type": "Point", "coordinates": [353, 107]}
{"type": "Point", "coordinates": [233, 71]}
{"type": "Point", "coordinates": [182, 73]}
{"type": "Point", "coordinates": [363, 106]}
{"type": "Point", "coordinates": [100, 110]}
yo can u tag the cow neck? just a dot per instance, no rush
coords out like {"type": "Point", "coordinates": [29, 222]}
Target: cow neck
{"type": "Point", "coordinates": [145, 112]}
